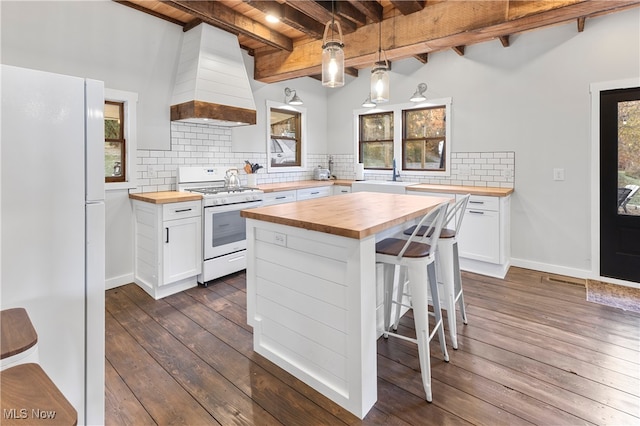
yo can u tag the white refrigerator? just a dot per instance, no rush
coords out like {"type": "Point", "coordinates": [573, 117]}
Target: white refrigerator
{"type": "Point", "coordinates": [53, 225]}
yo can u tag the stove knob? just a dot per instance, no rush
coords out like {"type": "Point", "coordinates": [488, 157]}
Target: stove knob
{"type": "Point", "coordinates": [223, 200]}
{"type": "Point", "coordinates": [214, 202]}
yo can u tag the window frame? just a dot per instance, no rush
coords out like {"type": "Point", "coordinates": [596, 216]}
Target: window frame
{"type": "Point", "coordinates": [301, 130]}
{"type": "Point", "coordinates": [398, 135]}
{"type": "Point", "coordinates": [123, 144]}
{"type": "Point", "coordinates": [361, 140]}
{"type": "Point", "coordinates": [424, 139]}
{"type": "Point", "coordinates": [130, 100]}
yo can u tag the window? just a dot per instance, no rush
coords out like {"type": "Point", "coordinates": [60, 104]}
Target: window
{"type": "Point", "coordinates": [376, 140]}
{"type": "Point", "coordinates": [120, 139]}
{"type": "Point", "coordinates": [285, 138]}
{"type": "Point", "coordinates": [418, 136]}
{"type": "Point", "coordinates": [424, 138]}
{"type": "Point", "coordinates": [114, 142]}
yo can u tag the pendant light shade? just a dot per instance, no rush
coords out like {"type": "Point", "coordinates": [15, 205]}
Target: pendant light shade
{"type": "Point", "coordinates": [380, 83]}
{"type": "Point", "coordinates": [332, 57]}
{"type": "Point", "coordinates": [380, 75]}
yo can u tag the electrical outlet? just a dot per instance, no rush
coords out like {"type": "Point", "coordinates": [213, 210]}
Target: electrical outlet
{"type": "Point", "coordinates": [558, 174]}
{"type": "Point", "coordinates": [280, 239]}
{"type": "Point", "coordinates": [151, 171]}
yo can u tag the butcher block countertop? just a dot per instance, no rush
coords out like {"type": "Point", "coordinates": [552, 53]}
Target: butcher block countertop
{"type": "Point", "coordinates": [459, 189]}
{"type": "Point", "coordinates": [355, 215]}
{"type": "Point", "coordinates": [165, 197]}
{"type": "Point", "coordinates": [289, 186]}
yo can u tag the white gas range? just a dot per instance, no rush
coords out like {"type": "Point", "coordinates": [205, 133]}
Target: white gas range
{"type": "Point", "coordinates": [224, 230]}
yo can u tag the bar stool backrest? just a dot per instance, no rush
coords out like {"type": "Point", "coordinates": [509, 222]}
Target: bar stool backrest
{"type": "Point", "coordinates": [433, 220]}
{"type": "Point", "coordinates": [459, 206]}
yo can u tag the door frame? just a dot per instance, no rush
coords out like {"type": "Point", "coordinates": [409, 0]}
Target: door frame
{"type": "Point", "coordinates": [595, 89]}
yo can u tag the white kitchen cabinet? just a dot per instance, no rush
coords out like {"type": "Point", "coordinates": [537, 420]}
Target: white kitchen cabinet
{"type": "Point", "coordinates": [484, 241]}
{"type": "Point", "coordinates": [315, 192]}
{"type": "Point", "coordinates": [278, 197]}
{"type": "Point", "coordinates": [168, 246]}
{"type": "Point", "coordinates": [341, 189]}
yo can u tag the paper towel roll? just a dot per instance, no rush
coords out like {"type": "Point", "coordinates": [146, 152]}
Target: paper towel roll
{"type": "Point", "coordinates": [360, 171]}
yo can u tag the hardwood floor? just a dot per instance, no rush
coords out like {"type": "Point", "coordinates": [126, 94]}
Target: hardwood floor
{"type": "Point", "coordinates": [534, 352]}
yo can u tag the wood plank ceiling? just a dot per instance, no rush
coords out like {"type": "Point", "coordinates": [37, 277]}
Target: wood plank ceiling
{"type": "Point", "coordinates": [292, 47]}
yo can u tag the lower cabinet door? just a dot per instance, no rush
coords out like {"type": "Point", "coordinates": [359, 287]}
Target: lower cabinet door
{"type": "Point", "coordinates": [182, 252]}
{"type": "Point", "coordinates": [479, 236]}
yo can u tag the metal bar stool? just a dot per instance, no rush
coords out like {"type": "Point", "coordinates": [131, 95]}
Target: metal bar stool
{"type": "Point", "coordinates": [417, 255]}
{"type": "Point", "coordinates": [449, 276]}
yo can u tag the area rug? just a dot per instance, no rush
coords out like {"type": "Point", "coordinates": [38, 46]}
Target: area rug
{"type": "Point", "coordinates": [627, 298]}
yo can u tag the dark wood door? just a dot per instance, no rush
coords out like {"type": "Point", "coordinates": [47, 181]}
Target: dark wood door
{"type": "Point", "coordinates": [620, 184]}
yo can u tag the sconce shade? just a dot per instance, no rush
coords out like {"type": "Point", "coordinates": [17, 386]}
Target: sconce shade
{"type": "Point", "coordinates": [332, 57]}
{"type": "Point", "coordinates": [380, 83]}
{"type": "Point", "coordinates": [368, 104]}
{"type": "Point", "coordinates": [294, 100]}
{"type": "Point", "coordinates": [419, 96]}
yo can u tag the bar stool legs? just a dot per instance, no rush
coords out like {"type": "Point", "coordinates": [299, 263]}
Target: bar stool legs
{"type": "Point", "coordinates": [420, 296]}
{"type": "Point", "coordinates": [451, 284]}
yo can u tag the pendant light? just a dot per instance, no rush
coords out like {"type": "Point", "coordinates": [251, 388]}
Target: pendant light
{"type": "Point", "coordinates": [332, 55]}
{"type": "Point", "coordinates": [380, 75]}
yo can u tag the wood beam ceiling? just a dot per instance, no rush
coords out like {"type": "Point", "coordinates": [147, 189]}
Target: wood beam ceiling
{"type": "Point", "coordinates": [221, 16]}
{"type": "Point", "coordinates": [440, 26]}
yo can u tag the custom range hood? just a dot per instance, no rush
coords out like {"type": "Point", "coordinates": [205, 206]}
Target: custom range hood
{"type": "Point", "coordinates": [212, 86]}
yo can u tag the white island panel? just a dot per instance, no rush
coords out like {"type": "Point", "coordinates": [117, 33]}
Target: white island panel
{"type": "Point", "coordinates": [311, 299]}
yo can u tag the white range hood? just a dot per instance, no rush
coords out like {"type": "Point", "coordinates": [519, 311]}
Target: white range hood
{"type": "Point", "coordinates": [212, 85]}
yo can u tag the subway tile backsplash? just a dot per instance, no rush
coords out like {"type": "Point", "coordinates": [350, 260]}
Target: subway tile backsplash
{"type": "Point", "coordinates": [196, 144]}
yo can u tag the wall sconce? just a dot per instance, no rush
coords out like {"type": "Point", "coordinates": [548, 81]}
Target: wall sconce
{"type": "Point", "coordinates": [380, 75]}
{"type": "Point", "coordinates": [332, 55]}
{"type": "Point", "coordinates": [294, 100]}
{"type": "Point", "coordinates": [368, 103]}
{"type": "Point", "coordinates": [419, 96]}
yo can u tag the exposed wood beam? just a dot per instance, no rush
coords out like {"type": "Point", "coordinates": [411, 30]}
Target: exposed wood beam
{"type": "Point", "coordinates": [289, 16]}
{"type": "Point", "coordinates": [407, 7]}
{"type": "Point", "coordinates": [504, 40]}
{"type": "Point", "coordinates": [422, 57]}
{"type": "Point", "coordinates": [192, 24]}
{"type": "Point", "coordinates": [581, 24]}
{"type": "Point", "coordinates": [215, 13]}
{"type": "Point", "coordinates": [348, 11]}
{"type": "Point", "coordinates": [371, 9]}
{"type": "Point", "coordinates": [458, 49]}
{"type": "Point", "coordinates": [441, 26]}
{"type": "Point", "coordinates": [321, 14]}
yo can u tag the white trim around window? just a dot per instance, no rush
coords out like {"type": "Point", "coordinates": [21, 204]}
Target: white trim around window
{"type": "Point", "coordinates": [397, 133]}
{"type": "Point", "coordinates": [130, 100]}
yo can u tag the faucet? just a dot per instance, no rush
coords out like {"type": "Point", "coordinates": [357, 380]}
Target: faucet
{"type": "Point", "coordinates": [395, 173]}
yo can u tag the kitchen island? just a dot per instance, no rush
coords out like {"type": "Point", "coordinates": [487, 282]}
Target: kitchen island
{"type": "Point", "coordinates": [312, 296]}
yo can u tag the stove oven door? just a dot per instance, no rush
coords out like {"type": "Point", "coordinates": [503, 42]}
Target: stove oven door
{"type": "Point", "coordinates": [224, 229]}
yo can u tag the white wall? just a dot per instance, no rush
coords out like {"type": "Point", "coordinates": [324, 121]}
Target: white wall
{"type": "Point", "coordinates": [531, 98]}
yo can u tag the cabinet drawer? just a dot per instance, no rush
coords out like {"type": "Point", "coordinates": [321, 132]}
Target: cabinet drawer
{"type": "Point", "coordinates": [341, 189]}
{"type": "Point", "coordinates": [308, 193]}
{"type": "Point", "coordinates": [271, 198]}
{"type": "Point", "coordinates": [172, 211]}
{"type": "Point", "coordinates": [483, 202]}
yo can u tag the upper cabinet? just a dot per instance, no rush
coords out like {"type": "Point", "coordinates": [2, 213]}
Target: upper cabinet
{"type": "Point", "coordinates": [286, 137]}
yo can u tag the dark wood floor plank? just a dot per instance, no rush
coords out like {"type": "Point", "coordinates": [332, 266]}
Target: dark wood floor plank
{"type": "Point", "coordinates": [262, 387]}
{"type": "Point", "coordinates": [163, 398]}
{"type": "Point", "coordinates": [619, 352]}
{"type": "Point", "coordinates": [534, 351]}
{"type": "Point", "coordinates": [121, 405]}
{"type": "Point", "coordinates": [220, 397]}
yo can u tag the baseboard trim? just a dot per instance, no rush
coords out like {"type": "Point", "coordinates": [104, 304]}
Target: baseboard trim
{"type": "Point", "coordinates": [552, 269]}
{"type": "Point", "coordinates": [114, 282]}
